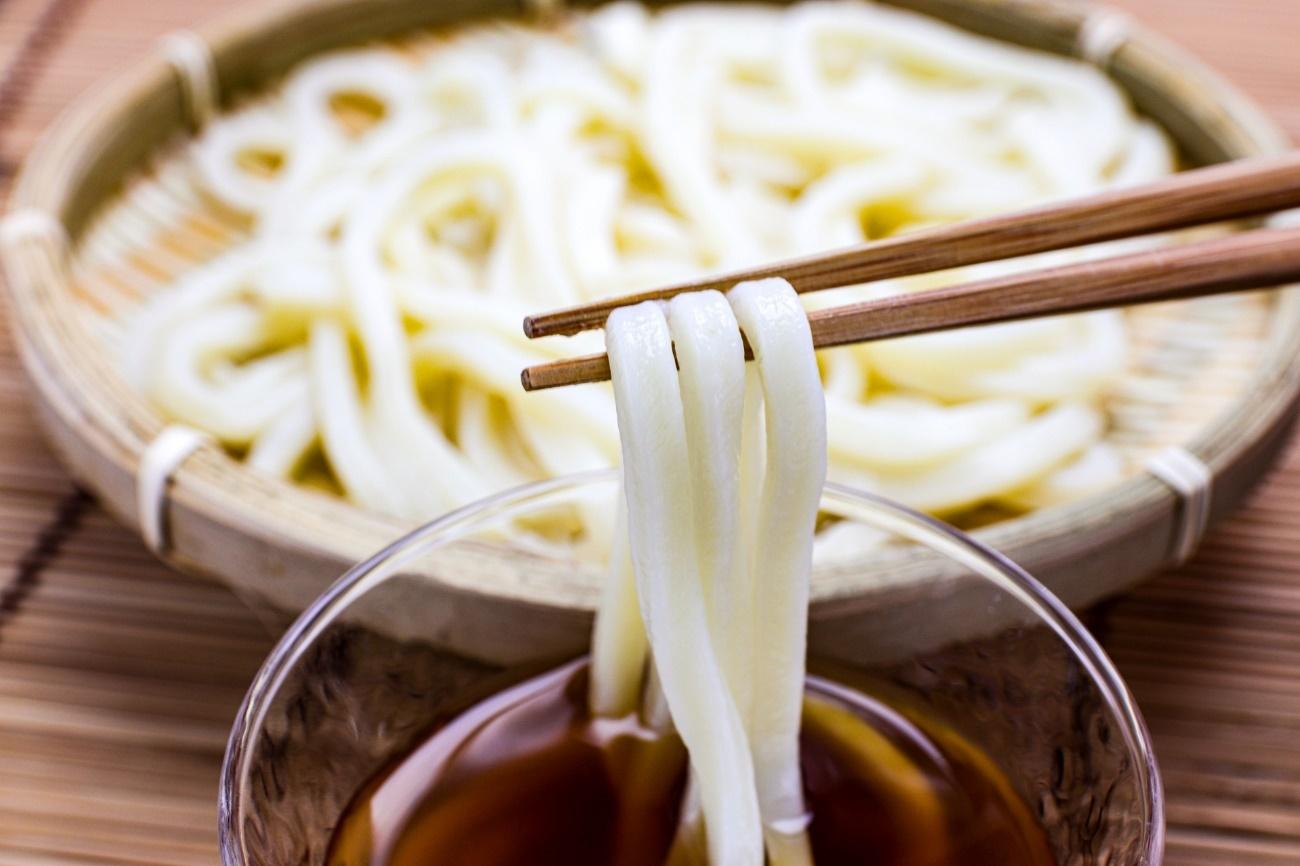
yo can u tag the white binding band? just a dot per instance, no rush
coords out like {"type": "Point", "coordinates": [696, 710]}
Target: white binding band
{"type": "Point", "coordinates": [1193, 481]}
{"type": "Point", "coordinates": [27, 224]}
{"type": "Point", "coordinates": [1285, 220]}
{"type": "Point", "coordinates": [161, 459]}
{"type": "Point", "coordinates": [1102, 34]}
{"type": "Point", "coordinates": [187, 53]}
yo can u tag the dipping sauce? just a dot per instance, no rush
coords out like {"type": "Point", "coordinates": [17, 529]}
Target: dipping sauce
{"type": "Point", "coordinates": [527, 777]}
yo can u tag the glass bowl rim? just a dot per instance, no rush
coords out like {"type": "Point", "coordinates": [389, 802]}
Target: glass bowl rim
{"type": "Point", "coordinates": [938, 536]}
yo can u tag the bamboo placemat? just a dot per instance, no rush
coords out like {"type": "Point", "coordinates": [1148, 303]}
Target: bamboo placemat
{"type": "Point", "coordinates": [118, 677]}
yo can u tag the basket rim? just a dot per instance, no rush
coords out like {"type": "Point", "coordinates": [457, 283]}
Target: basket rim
{"type": "Point", "coordinates": [87, 404]}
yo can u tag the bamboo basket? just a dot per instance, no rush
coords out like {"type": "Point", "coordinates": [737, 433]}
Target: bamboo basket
{"type": "Point", "coordinates": [1219, 377]}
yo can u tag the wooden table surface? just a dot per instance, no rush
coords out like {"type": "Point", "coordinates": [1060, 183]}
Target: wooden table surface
{"type": "Point", "coordinates": [118, 677]}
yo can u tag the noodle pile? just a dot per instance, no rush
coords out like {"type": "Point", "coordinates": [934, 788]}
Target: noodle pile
{"type": "Point", "coordinates": [408, 207]}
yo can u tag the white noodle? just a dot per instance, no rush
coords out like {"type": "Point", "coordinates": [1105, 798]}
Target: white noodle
{"type": "Point", "coordinates": [711, 359]}
{"type": "Point", "coordinates": [795, 434]}
{"type": "Point", "coordinates": [618, 642]}
{"type": "Point", "coordinates": [280, 448]}
{"type": "Point", "coordinates": [722, 551]}
{"type": "Point", "coordinates": [1010, 462]}
{"type": "Point", "coordinates": [342, 423]}
{"type": "Point", "coordinates": [1095, 469]}
{"type": "Point", "coordinates": [658, 483]}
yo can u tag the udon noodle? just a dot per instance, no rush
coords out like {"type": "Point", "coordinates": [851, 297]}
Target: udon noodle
{"type": "Point", "coordinates": [722, 480]}
{"type": "Point", "coordinates": [408, 207]}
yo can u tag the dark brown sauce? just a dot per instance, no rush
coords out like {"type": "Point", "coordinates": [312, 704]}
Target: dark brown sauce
{"type": "Point", "coordinates": [528, 777]}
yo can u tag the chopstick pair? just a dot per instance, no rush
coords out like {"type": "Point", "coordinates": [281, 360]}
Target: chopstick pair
{"type": "Point", "coordinates": [1256, 259]}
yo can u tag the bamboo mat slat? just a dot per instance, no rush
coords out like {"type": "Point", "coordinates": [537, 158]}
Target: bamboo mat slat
{"type": "Point", "coordinates": [118, 677]}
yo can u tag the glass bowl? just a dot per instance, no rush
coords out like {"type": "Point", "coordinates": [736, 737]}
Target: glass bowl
{"type": "Point", "coordinates": [356, 681]}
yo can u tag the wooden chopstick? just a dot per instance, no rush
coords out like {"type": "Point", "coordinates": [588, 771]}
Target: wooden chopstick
{"type": "Point", "coordinates": [1251, 260]}
{"type": "Point", "coordinates": [1225, 192]}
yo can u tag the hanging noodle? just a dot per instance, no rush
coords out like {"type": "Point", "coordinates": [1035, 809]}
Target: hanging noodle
{"type": "Point", "coordinates": [721, 514]}
{"type": "Point", "coordinates": [662, 495]}
{"type": "Point", "coordinates": [406, 208]}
